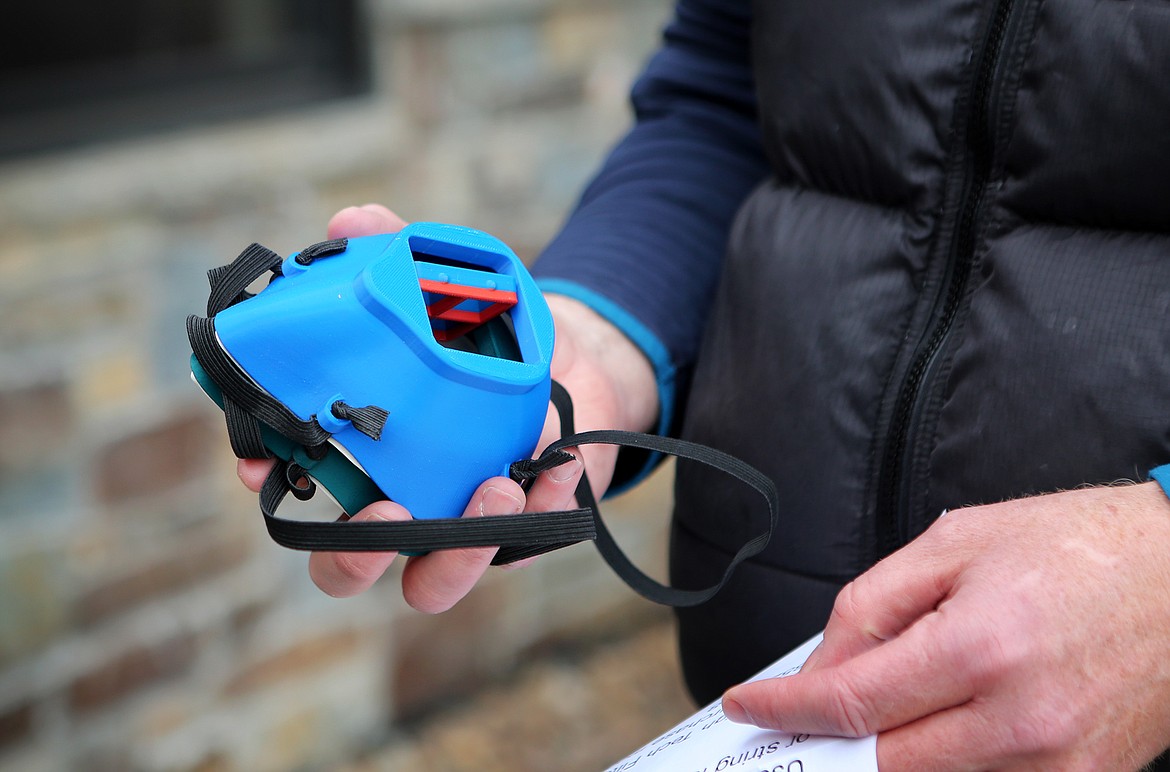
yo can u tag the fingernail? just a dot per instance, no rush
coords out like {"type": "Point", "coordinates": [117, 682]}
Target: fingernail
{"type": "Point", "coordinates": [373, 513]}
{"type": "Point", "coordinates": [525, 563]}
{"type": "Point", "coordinates": [565, 471]}
{"type": "Point", "coordinates": [735, 712]}
{"type": "Point", "coordinates": [497, 502]}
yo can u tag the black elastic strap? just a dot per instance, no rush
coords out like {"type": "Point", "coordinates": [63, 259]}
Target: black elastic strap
{"type": "Point", "coordinates": [530, 468]}
{"type": "Point", "coordinates": [620, 563]}
{"type": "Point", "coordinates": [369, 420]}
{"type": "Point", "coordinates": [321, 249]}
{"type": "Point", "coordinates": [229, 286]}
{"type": "Point", "coordinates": [229, 282]}
{"type": "Point", "coordinates": [243, 431]}
{"type": "Point", "coordinates": [245, 403]}
{"type": "Point", "coordinates": [238, 387]}
{"type": "Point", "coordinates": [607, 546]}
{"type": "Point", "coordinates": [256, 404]}
{"type": "Point", "coordinates": [541, 531]}
{"type": "Point", "coordinates": [529, 534]}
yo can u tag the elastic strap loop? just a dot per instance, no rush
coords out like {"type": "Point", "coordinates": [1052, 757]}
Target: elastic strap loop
{"type": "Point", "coordinates": [541, 531]}
{"type": "Point", "coordinates": [228, 282]}
{"type": "Point", "coordinates": [614, 556]}
{"type": "Point", "coordinates": [527, 534]}
{"type": "Point", "coordinates": [237, 386]}
{"type": "Point", "coordinates": [321, 249]}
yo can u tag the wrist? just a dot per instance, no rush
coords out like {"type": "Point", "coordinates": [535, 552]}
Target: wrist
{"type": "Point", "coordinates": [585, 339]}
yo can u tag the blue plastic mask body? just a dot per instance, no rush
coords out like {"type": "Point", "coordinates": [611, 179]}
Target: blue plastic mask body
{"type": "Point", "coordinates": [355, 326]}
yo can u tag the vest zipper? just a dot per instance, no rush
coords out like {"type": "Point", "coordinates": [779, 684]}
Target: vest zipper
{"type": "Point", "coordinates": [893, 500]}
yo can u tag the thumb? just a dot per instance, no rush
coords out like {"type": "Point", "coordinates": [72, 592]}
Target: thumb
{"type": "Point", "coordinates": [367, 220]}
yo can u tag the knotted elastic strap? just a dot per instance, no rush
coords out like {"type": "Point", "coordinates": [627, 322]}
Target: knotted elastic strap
{"type": "Point", "coordinates": [526, 535]}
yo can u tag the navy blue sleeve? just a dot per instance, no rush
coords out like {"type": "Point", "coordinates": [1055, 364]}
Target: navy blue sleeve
{"type": "Point", "coordinates": [644, 244]}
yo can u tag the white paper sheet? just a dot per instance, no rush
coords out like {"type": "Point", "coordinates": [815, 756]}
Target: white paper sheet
{"type": "Point", "coordinates": [708, 742]}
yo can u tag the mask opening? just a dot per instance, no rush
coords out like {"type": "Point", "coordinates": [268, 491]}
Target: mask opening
{"type": "Point", "coordinates": [469, 306]}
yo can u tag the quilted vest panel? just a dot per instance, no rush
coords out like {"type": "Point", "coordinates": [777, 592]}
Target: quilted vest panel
{"type": "Point", "coordinates": [954, 290]}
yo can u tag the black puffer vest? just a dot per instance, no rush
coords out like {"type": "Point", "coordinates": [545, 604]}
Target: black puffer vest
{"type": "Point", "coordinates": [954, 290]}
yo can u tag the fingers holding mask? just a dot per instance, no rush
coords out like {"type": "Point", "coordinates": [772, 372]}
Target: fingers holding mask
{"type": "Point", "coordinates": [432, 582]}
{"type": "Point", "coordinates": [344, 574]}
{"type": "Point", "coordinates": [435, 582]}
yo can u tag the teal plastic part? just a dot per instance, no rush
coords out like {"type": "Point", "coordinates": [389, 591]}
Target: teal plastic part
{"type": "Point", "coordinates": [347, 484]}
{"type": "Point", "coordinates": [355, 326]}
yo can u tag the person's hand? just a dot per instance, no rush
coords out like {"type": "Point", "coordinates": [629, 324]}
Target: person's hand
{"type": "Point", "coordinates": [1030, 634]}
{"type": "Point", "coordinates": [609, 379]}
{"type": "Point", "coordinates": [612, 385]}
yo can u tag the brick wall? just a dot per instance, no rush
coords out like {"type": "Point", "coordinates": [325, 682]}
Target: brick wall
{"type": "Point", "coordinates": [146, 622]}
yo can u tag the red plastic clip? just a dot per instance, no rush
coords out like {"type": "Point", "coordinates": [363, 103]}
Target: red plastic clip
{"type": "Point", "coordinates": [464, 307]}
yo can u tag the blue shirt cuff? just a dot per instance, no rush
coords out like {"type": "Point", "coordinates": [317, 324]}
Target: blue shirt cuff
{"type": "Point", "coordinates": [1161, 475]}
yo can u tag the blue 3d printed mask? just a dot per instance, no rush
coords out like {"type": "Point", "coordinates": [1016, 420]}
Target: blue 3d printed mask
{"type": "Point", "coordinates": [411, 367]}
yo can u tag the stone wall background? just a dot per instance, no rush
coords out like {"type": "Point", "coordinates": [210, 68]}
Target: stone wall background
{"type": "Point", "coordinates": [146, 622]}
